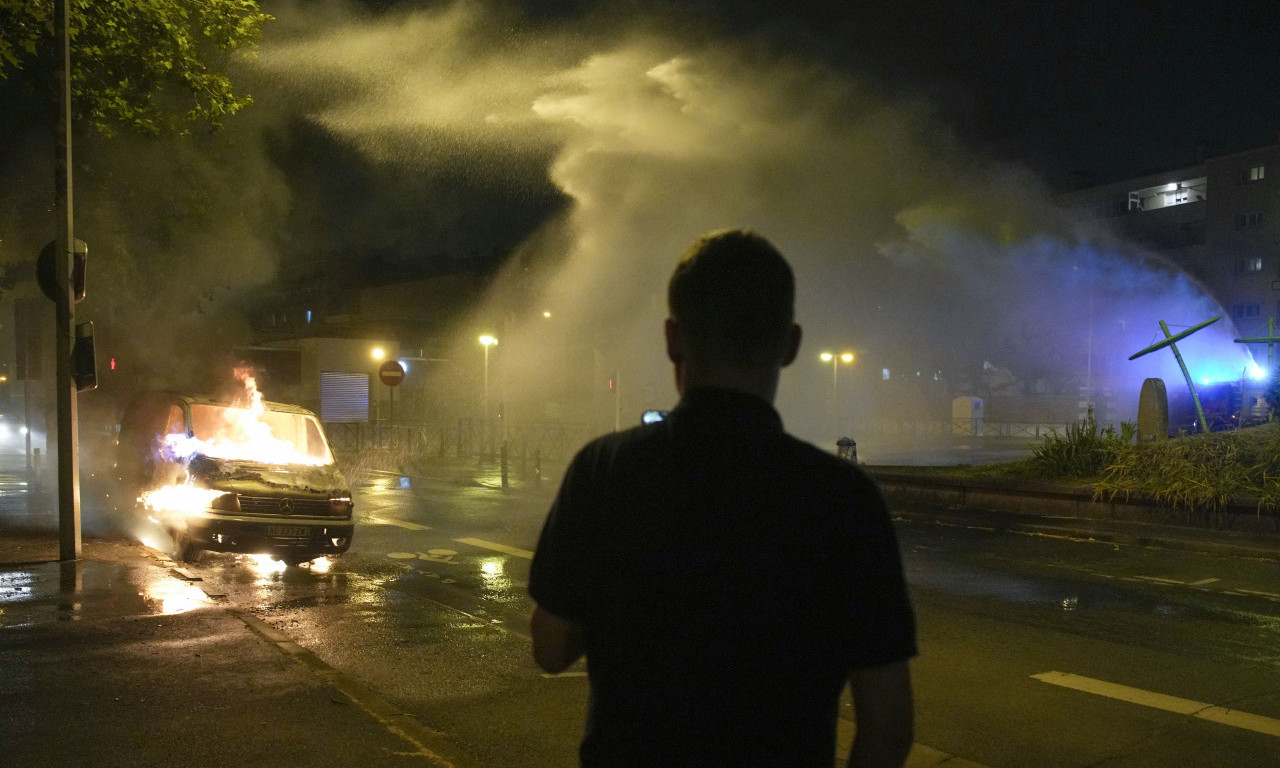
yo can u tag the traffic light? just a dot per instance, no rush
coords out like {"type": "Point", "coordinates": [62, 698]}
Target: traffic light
{"type": "Point", "coordinates": [47, 273]}
{"type": "Point", "coordinates": [84, 366]}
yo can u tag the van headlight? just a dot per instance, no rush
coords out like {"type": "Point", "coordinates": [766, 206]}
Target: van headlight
{"type": "Point", "coordinates": [227, 502]}
{"type": "Point", "coordinates": [340, 506]}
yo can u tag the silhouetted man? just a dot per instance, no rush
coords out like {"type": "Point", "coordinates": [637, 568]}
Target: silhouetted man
{"type": "Point", "coordinates": [724, 579]}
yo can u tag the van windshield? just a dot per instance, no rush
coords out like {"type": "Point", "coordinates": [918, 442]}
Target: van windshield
{"type": "Point", "coordinates": [265, 436]}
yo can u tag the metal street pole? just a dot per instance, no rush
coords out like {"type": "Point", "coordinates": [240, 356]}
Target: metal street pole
{"type": "Point", "coordinates": [486, 341]}
{"type": "Point", "coordinates": [69, 543]}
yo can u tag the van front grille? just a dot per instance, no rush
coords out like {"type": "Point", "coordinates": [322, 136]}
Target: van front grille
{"type": "Point", "coordinates": [274, 505]}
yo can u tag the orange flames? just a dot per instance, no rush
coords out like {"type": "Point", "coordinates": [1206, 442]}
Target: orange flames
{"type": "Point", "coordinates": [248, 432]}
{"type": "Point", "coordinates": [245, 431]}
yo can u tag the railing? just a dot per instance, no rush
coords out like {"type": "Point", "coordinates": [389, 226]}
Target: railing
{"type": "Point", "coordinates": [461, 439]}
{"type": "Point", "coordinates": [963, 428]}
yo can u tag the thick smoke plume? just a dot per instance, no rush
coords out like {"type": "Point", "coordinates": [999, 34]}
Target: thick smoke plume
{"type": "Point", "coordinates": [944, 272]}
{"type": "Point", "coordinates": [596, 149]}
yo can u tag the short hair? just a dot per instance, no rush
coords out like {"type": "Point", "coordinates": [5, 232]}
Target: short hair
{"type": "Point", "coordinates": [733, 293]}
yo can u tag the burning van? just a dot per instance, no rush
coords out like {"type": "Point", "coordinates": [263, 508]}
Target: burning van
{"type": "Point", "coordinates": [249, 476]}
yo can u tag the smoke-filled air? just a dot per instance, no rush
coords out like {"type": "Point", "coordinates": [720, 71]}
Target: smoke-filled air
{"type": "Point", "coordinates": [569, 162]}
{"type": "Point", "coordinates": [944, 273]}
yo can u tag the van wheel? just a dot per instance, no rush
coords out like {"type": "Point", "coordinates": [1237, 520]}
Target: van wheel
{"type": "Point", "coordinates": [185, 550]}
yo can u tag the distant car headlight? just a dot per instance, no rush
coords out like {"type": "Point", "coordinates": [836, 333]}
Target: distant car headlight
{"type": "Point", "coordinates": [340, 506]}
{"type": "Point", "coordinates": [227, 502]}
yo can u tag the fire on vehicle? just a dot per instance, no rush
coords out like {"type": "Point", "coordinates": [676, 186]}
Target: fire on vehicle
{"type": "Point", "coordinates": [243, 475]}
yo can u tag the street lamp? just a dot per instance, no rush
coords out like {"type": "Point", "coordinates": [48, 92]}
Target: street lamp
{"type": "Point", "coordinates": [486, 341]}
{"type": "Point", "coordinates": [836, 360]}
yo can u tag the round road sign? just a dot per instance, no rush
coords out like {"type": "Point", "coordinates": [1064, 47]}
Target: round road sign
{"type": "Point", "coordinates": [391, 373]}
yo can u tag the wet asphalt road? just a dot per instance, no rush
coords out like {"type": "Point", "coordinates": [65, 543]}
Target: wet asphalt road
{"type": "Point", "coordinates": [1035, 650]}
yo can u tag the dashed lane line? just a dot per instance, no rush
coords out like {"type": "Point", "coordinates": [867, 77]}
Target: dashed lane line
{"type": "Point", "coordinates": [496, 547]}
{"type": "Point", "coordinates": [397, 523]}
{"type": "Point", "coordinates": [1271, 595]}
{"type": "Point", "coordinates": [1159, 580]}
{"type": "Point", "coordinates": [1200, 709]}
{"type": "Point", "coordinates": [1201, 582]}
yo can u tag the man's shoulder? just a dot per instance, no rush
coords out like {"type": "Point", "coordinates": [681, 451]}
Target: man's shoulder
{"type": "Point", "coordinates": [608, 449]}
{"type": "Point", "coordinates": [823, 461]}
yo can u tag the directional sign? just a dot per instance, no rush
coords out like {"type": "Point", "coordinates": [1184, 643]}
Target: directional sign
{"type": "Point", "coordinates": [391, 373]}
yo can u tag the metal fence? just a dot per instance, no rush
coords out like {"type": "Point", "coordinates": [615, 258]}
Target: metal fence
{"type": "Point", "coordinates": [463, 438]}
{"type": "Point", "coordinates": [963, 428]}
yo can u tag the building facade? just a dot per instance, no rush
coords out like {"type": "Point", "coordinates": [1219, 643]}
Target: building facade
{"type": "Point", "coordinates": [1218, 220]}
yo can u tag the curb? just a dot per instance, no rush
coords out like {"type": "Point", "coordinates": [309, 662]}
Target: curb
{"type": "Point", "coordinates": [1072, 513]}
{"type": "Point", "coordinates": [1089, 532]}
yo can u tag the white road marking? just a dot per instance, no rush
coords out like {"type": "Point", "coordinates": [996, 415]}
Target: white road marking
{"type": "Point", "coordinates": [397, 523]}
{"type": "Point", "coordinates": [1260, 594]}
{"type": "Point", "coordinates": [1201, 582]}
{"type": "Point", "coordinates": [1200, 709]}
{"type": "Point", "coordinates": [551, 676]}
{"type": "Point", "coordinates": [1159, 580]}
{"type": "Point", "coordinates": [514, 551]}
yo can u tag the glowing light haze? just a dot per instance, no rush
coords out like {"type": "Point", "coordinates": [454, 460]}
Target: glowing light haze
{"type": "Point", "coordinates": [938, 268]}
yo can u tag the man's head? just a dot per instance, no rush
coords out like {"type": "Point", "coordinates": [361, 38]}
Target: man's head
{"type": "Point", "coordinates": [732, 305]}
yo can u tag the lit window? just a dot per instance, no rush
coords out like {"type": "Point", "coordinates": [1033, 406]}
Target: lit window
{"type": "Point", "coordinates": [1249, 265]}
{"type": "Point", "coordinates": [884, 374]}
{"type": "Point", "coordinates": [1256, 173]}
{"type": "Point", "coordinates": [308, 316]}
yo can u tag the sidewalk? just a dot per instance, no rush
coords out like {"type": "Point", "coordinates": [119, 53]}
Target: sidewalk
{"type": "Point", "coordinates": [119, 659]}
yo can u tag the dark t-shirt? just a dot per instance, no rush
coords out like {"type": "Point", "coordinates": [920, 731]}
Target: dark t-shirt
{"type": "Point", "coordinates": [727, 577]}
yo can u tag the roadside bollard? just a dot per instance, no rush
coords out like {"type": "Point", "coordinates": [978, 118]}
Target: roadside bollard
{"type": "Point", "coordinates": [847, 449]}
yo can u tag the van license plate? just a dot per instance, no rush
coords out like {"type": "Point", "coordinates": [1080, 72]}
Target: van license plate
{"type": "Point", "coordinates": [294, 531]}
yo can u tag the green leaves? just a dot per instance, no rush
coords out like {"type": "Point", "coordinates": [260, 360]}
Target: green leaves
{"type": "Point", "coordinates": [139, 64]}
{"type": "Point", "coordinates": [1082, 452]}
{"type": "Point", "coordinates": [1199, 473]}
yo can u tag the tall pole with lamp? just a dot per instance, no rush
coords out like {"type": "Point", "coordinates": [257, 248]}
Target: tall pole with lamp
{"type": "Point", "coordinates": [486, 341]}
{"type": "Point", "coordinates": [836, 360]}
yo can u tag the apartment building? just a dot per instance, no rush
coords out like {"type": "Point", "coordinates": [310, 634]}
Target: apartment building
{"type": "Point", "coordinates": [1218, 220]}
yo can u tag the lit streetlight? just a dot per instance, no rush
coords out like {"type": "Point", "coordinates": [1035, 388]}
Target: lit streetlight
{"type": "Point", "coordinates": [836, 360]}
{"type": "Point", "coordinates": [487, 341]}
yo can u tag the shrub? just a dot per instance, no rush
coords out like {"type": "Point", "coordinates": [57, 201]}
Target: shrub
{"type": "Point", "coordinates": [1083, 451]}
{"type": "Point", "coordinates": [1199, 473]}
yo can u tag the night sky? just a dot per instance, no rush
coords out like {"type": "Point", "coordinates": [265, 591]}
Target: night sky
{"type": "Point", "coordinates": [882, 141]}
{"type": "Point", "coordinates": [1112, 87]}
